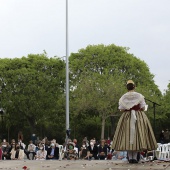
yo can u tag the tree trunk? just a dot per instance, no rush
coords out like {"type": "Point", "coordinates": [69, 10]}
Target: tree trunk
{"type": "Point", "coordinates": [31, 122]}
{"type": "Point", "coordinates": [103, 128]}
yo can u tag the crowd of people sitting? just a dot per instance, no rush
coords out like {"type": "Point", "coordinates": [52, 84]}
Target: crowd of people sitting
{"type": "Point", "coordinates": [50, 150]}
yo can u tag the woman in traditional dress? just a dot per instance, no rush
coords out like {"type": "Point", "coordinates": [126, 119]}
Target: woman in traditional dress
{"type": "Point", "coordinates": [134, 132]}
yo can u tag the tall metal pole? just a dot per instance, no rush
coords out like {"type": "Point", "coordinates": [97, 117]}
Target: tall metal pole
{"type": "Point", "coordinates": [67, 71]}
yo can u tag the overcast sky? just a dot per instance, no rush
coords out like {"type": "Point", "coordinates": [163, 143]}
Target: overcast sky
{"type": "Point", "coordinates": [31, 26]}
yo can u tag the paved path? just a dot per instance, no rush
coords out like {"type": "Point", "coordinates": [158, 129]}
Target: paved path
{"type": "Point", "coordinates": [82, 165]}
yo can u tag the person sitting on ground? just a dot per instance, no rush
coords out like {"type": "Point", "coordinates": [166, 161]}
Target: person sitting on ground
{"type": "Point", "coordinates": [53, 151]}
{"type": "Point", "coordinates": [41, 153]}
{"type": "Point", "coordinates": [102, 150]}
{"type": "Point", "coordinates": [17, 153]}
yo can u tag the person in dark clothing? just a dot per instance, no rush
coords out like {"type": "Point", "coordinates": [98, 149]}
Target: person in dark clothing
{"type": "Point", "coordinates": [17, 153]}
{"type": "Point", "coordinates": [53, 152]}
{"type": "Point", "coordinates": [92, 151]}
{"type": "Point", "coordinates": [102, 150]}
{"type": "Point", "coordinates": [167, 136]}
{"type": "Point", "coordinates": [34, 138]}
{"type": "Point", "coordinates": [76, 145]}
{"type": "Point", "coordinates": [162, 137]}
{"type": "Point", "coordinates": [83, 151]}
{"type": "Point", "coordinates": [5, 150]}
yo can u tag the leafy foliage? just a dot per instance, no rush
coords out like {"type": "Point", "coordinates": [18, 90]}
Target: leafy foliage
{"type": "Point", "coordinates": [99, 75]}
{"type": "Point", "coordinates": [32, 90]}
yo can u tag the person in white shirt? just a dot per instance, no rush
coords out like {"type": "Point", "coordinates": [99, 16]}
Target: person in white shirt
{"type": "Point", "coordinates": [31, 150]}
{"type": "Point", "coordinates": [41, 153]}
{"type": "Point", "coordinates": [17, 153]}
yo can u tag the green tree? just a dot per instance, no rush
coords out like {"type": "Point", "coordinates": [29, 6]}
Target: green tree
{"type": "Point", "coordinates": [165, 109]}
{"type": "Point", "coordinates": [33, 90]}
{"type": "Point", "coordinates": [97, 94]}
{"type": "Point", "coordinates": [98, 66]}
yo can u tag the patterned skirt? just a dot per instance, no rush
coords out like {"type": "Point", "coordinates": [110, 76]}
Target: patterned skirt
{"type": "Point", "coordinates": [143, 139]}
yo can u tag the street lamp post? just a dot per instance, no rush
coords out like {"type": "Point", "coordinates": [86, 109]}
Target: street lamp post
{"type": "Point", "coordinates": [67, 76]}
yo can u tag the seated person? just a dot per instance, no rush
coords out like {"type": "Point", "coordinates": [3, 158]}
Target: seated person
{"type": "Point", "coordinates": [23, 146]}
{"type": "Point", "coordinates": [150, 154]}
{"type": "Point", "coordinates": [12, 141]}
{"type": "Point", "coordinates": [53, 151]}
{"type": "Point", "coordinates": [92, 150]}
{"type": "Point", "coordinates": [12, 146]}
{"type": "Point", "coordinates": [76, 146]}
{"type": "Point", "coordinates": [17, 153]}
{"type": "Point", "coordinates": [83, 151]}
{"type": "Point", "coordinates": [143, 154]}
{"type": "Point", "coordinates": [102, 150]}
{"type": "Point", "coordinates": [31, 150]}
{"type": "Point", "coordinates": [71, 152]}
{"type": "Point", "coordinates": [0, 153]}
{"type": "Point", "coordinates": [5, 150]}
{"type": "Point", "coordinates": [120, 155]}
{"type": "Point", "coordinates": [41, 153]}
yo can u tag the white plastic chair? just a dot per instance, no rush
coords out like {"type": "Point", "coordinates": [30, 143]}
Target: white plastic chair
{"type": "Point", "coordinates": [164, 153]}
{"type": "Point", "coordinates": [60, 152]}
{"type": "Point", "coordinates": [159, 144]}
{"type": "Point", "coordinates": [158, 151]}
{"type": "Point", "coordinates": [168, 150]}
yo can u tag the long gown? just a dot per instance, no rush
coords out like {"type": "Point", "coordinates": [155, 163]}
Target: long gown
{"type": "Point", "coordinates": [134, 131]}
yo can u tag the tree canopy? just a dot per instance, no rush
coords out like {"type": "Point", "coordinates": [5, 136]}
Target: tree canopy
{"type": "Point", "coordinates": [99, 74]}
{"type": "Point", "coordinates": [32, 90]}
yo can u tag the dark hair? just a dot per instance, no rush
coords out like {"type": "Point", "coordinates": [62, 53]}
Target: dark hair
{"type": "Point", "coordinates": [84, 142]}
{"type": "Point", "coordinates": [130, 86]}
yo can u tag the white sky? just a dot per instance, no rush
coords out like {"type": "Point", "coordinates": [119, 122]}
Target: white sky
{"type": "Point", "coordinates": [31, 26]}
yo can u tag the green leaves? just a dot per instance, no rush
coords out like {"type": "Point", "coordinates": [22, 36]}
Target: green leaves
{"type": "Point", "coordinates": [99, 76]}
{"type": "Point", "coordinates": [31, 87]}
